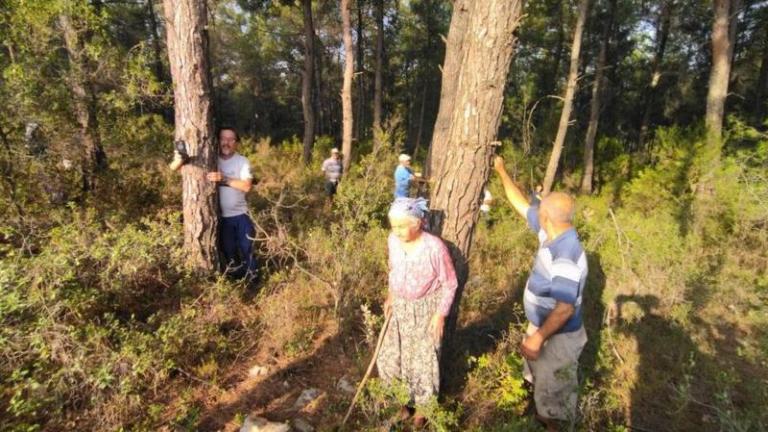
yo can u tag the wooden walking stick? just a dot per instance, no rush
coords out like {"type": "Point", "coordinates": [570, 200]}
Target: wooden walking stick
{"type": "Point", "coordinates": [370, 368]}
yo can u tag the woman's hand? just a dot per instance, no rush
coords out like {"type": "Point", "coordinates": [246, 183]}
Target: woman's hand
{"type": "Point", "coordinates": [436, 325]}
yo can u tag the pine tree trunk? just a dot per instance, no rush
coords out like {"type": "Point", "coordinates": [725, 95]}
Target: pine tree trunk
{"type": "Point", "coordinates": [662, 36]}
{"type": "Point", "coordinates": [454, 52]}
{"type": "Point", "coordinates": [595, 105]}
{"type": "Point", "coordinates": [80, 84]}
{"type": "Point", "coordinates": [420, 124]}
{"type": "Point", "coordinates": [723, 35]}
{"type": "Point", "coordinates": [361, 102]}
{"type": "Point", "coordinates": [378, 92]}
{"type": "Point", "coordinates": [186, 22]}
{"type": "Point", "coordinates": [346, 89]}
{"type": "Point", "coordinates": [549, 77]}
{"type": "Point", "coordinates": [718, 78]}
{"type": "Point", "coordinates": [551, 83]}
{"type": "Point", "coordinates": [476, 108]}
{"type": "Point", "coordinates": [307, 103]}
{"type": "Point", "coordinates": [323, 112]}
{"type": "Point", "coordinates": [570, 90]}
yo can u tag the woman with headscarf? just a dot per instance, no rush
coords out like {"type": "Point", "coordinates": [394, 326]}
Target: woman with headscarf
{"type": "Point", "coordinates": [422, 285]}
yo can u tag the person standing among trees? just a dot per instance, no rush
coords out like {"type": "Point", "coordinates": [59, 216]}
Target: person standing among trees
{"type": "Point", "coordinates": [552, 300]}
{"type": "Point", "coordinates": [236, 229]}
{"type": "Point", "coordinates": [422, 286]}
{"type": "Point", "coordinates": [404, 176]}
{"type": "Point", "coordinates": [333, 169]}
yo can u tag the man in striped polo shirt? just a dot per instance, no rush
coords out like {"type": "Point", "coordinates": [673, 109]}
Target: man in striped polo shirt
{"type": "Point", "coordinates": [552, 301]}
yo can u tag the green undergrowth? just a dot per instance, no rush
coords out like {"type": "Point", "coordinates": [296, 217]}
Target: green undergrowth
{"type": "Point", "coordinates": [101, 328]}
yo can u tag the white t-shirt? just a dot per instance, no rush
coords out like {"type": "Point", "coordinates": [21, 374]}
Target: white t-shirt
{"type": "Point", "coordinates": [231, 200]}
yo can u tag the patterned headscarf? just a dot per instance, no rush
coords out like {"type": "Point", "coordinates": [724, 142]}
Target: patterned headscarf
{"type": "Point", "coordinates": [415, 208]}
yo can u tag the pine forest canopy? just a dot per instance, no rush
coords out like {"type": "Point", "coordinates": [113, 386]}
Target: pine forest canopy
{"type": "Point", "coordinates": [257, 50]}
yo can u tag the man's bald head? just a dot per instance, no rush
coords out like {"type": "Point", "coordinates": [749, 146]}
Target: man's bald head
{"type": "Point", "coordinates": [558, 207]}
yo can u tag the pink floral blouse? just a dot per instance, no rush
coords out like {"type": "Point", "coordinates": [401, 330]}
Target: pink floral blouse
{"type": "Point", "coordinates": [427, 270]}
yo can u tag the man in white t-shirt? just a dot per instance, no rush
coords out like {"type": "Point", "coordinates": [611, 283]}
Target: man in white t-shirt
{"type": "Point", "coordinates": [235, 226]}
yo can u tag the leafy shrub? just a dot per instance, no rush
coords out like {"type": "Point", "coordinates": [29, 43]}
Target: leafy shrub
{"type": "Point", "coordinates": [101, 316]}
{"type": "Point", "coordinates": [495, 384]}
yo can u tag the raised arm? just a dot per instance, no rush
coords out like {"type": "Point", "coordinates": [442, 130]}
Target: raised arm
{"type": "Point", "coordinates": [515, 196]}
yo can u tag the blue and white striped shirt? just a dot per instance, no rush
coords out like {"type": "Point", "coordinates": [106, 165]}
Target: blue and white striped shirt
{"type": "Point", "coordinates": [559, 274]}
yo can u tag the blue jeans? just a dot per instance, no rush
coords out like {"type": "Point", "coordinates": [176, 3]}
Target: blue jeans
{"type": "Point", "coordinates": [234, 233]}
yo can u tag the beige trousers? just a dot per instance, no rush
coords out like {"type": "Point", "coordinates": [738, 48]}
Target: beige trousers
{"type": "Point", "coordinates": [554, 374]}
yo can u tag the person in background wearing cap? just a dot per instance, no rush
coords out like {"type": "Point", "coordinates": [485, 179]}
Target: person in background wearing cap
{"type": "Point", "coordinates": [333, 169]}
{"type": "Point", "coordinates": [422, 286]}
{"type": "Point", "coordinates": [404, 176]}
{"type": "Point", "coordinates": [552, 301]}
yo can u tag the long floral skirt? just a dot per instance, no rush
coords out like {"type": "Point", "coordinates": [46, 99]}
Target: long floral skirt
{"type": "Point", "coordinates": [408, 353]}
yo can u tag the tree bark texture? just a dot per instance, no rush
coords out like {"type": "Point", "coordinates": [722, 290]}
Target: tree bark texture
{"type": "Point", "coordinates": [560, 13]}
{"type": "Point", "coordinates": [570, 90]}
{"type": "Point", "coordinates": [186, 22]}
{"type": "Point", "coordinates": [80, 82]}
{"type": "Point", "coordinates": [476, 108]}
{"type": "Point", "coordinates": [360, 57]}
{"type": "Point", "coordinates": [550, 76]}
{"type": "Point", "coordinates": [662, 36]}
{"type": "Point", "coordinates": [595, 105]}
{"type": "Point", "coordinates": [718, 78]}
{"type": "Point", "coordinates": [307, 103]}
{"type": "Point", "coordinates": [346, 89]}
{"type": "Point", "coordinates": [454, 52]}
{"type": "Point", "coordinates": [420, 124]}
{"type": "Point", "coordinates": [378, 86]}
{"type": "Point", "coordinates": [322, 120]}
{"type": "Point", "coordinates": [704, 208]}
